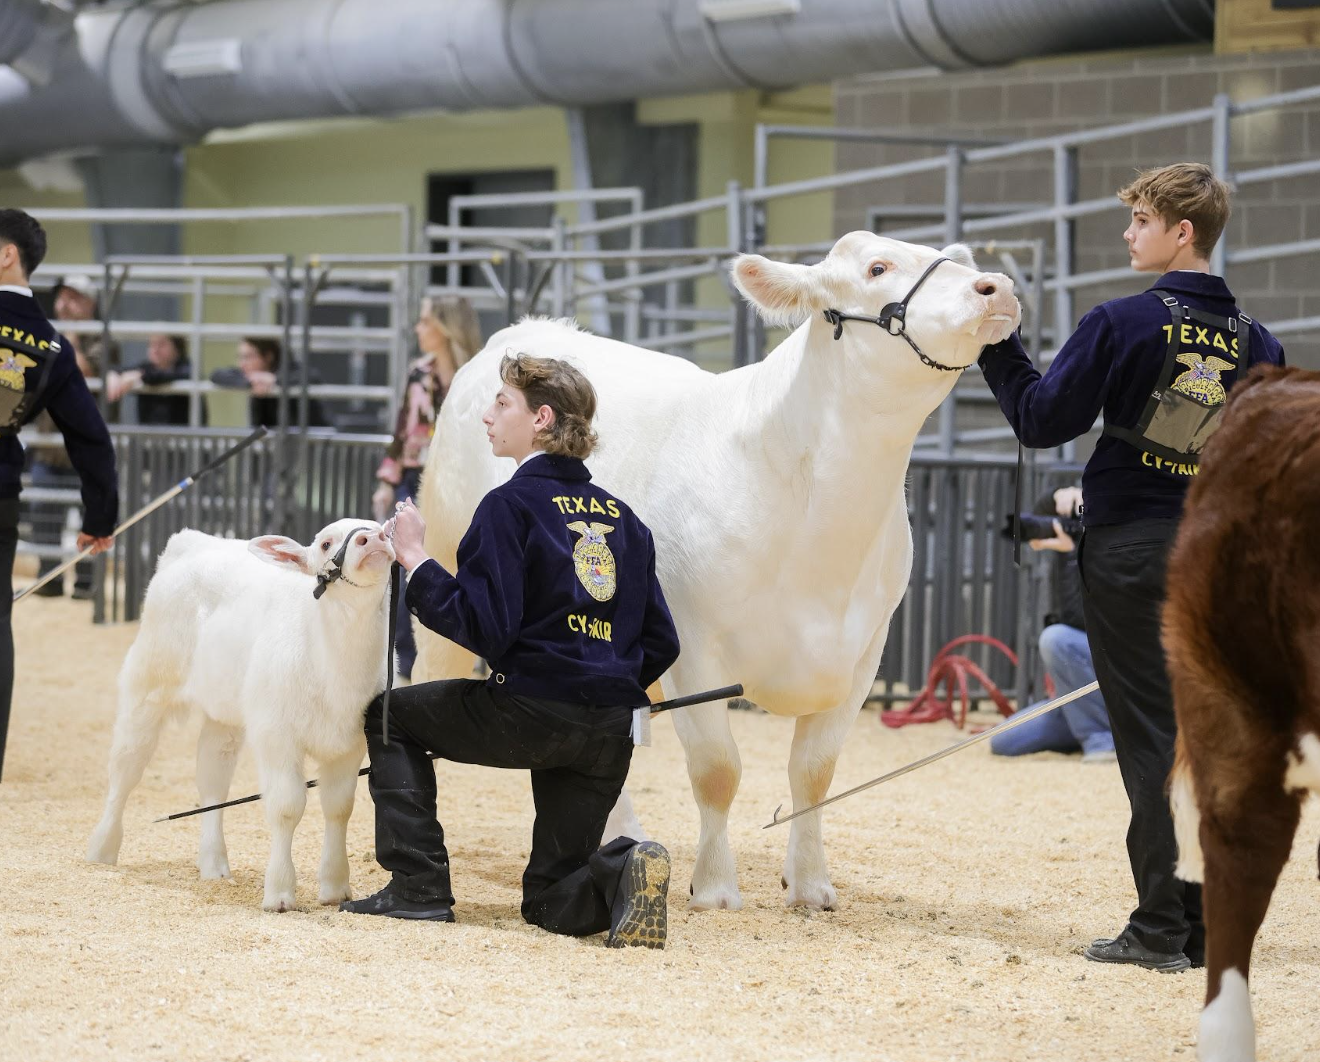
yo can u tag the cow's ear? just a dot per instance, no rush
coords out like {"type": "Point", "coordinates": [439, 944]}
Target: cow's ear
{"type": "Point", "coordinates": [782, 292]}
{"type": "Point", "coordinates": [960, 253]}
{"type": "Point", "coordinates": [281, 551]}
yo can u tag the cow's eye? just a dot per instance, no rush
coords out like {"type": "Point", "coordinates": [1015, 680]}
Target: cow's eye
{"type": "Point", "coordinates": [325, 545]}
{"type": "Point", "coordinates": [877, 269]}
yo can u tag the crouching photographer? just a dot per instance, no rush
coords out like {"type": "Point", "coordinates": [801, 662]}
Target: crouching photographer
{"type": "Point", "coordinates": [1083, 725]}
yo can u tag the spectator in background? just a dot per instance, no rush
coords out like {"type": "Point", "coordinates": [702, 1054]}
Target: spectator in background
{"type": "Point", "coordinates": [1082, 725]}
{"type": "Point", "coordinates": [166, 362]}
{"type": "Point", "coordinates": [448, 335]}
{"type": "Point", "coordinates": [258, 371]}
{"type": "Point", "coordinates": [77, 298]}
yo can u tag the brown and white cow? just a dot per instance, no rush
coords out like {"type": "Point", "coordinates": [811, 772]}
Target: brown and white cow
{"type": "Point", "coordinates": [1242, 632]}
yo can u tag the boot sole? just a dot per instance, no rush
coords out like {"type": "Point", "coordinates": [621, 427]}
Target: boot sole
{"type": "Point", "coordinates": [644, 921]}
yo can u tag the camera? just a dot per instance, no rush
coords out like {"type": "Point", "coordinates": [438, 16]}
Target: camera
{"type": "Point", "coordinates": [1035, 526]}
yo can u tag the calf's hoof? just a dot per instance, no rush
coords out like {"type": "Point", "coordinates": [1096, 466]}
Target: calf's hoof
{"type": "Point", "coordinates": [104, 847]}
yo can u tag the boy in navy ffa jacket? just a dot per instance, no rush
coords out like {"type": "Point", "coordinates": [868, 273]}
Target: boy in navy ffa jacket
{"type": "Point", "coordinates": [1159, 366]}
{"type": "Point", "coordinates": [38, 371]}
{"type": "Point", "coordinates": [555, 586]}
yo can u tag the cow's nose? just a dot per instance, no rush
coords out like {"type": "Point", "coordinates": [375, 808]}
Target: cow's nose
{"type": "Point", "coordinates": [986, 285]}
{"type": "Point", "coordinates": [362, 540]}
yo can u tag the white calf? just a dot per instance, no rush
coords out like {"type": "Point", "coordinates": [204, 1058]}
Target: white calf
{"type": "Point", "coordinates": [231, 628]}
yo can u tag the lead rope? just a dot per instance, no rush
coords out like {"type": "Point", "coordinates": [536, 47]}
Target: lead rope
{"type": "Point", "coordinates": [393, 624]}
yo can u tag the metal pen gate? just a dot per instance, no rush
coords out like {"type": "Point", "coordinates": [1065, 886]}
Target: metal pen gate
{"type": "Point", "coordinates": [963, 578]}
{"type": "Point", "coordinates": [236, 501]}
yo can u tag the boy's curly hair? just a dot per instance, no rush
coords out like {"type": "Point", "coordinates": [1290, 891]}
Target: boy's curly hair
{"type": "Point", "coordinates": [554, 383]}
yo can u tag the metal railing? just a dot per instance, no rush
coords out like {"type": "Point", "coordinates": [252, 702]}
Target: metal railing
{"type": "Point", "coordinates": [962, 580]}
{"type": "Point", "coordinates": [242, 499]}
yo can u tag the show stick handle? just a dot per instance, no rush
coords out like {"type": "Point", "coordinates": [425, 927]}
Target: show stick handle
{"type": "Point", "coordinates": [724, 693]}
{"type": "Point", "coordinates": [219, 460]}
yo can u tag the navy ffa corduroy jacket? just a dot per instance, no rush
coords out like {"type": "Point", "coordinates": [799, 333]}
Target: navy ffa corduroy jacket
{"type": "Point", "coordinates": [71, 406]}
{"type": "Point", "coordinates": [556, 588]}
{"type": "Point", "coordinates": [1112, 364]}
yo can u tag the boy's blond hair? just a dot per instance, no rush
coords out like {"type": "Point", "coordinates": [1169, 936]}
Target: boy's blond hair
{"type": "Point", "coordinates": [1185, 190]}
{"type": "Point", "coordinates": [557, 384]}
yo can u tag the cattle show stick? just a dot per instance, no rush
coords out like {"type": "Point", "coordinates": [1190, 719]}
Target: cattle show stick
{"type": "Point", "coordinates": [148, 509]}
{"type": "Point", "coordinates": [1015, 720]}
{"type": "Point", "coordinates": [721, 694]}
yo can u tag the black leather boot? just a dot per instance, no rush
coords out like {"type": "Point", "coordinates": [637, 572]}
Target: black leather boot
{"type": "Point", "coordinates": [1124, 948]}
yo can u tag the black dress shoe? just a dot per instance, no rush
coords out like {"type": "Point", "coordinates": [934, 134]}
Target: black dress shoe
{"type": "Point", "coordinates": [391, 905]}
{"type": "Point", "coordinates": [1125, 949]}
{"type": "Point", "coordinates": [640, 918]}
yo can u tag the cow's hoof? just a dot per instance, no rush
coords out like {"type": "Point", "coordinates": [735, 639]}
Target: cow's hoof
{"type": "Point", "coordinates": [213, 867]}
{"type": "Point", "coordinates": [278, 904]}
{"type": "Point", "coordinates": [822, 897]}
{"type": "Point", "coordinates": [715, 900]}
{"type": "Point", "coordinates": [334, 894]}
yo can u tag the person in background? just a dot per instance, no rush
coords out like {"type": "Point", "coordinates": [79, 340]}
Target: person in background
{"type": "Point", "coordinates": [77, 298]}
{"type": "Point", "coordinates": [1082, 725]}
{"type": "Point", "coordinates": [258, 371]}
{"type": "Point", "coordinates": [448, 335]}
{"type": "Point", "coordinates": [166, 362]}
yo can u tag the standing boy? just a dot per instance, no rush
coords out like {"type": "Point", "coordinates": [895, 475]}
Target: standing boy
{"type": "Point", "coordinates": [1159, 366]}
{"type": "Point", "coordinates": [38, 371]}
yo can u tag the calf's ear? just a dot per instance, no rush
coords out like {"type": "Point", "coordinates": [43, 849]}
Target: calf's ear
{"type": "Point", "coordinates": [281, 551]}
{"type": "Point", "coordinates": [782, 292]}
{"type": "Point", "coordinates": [960, 253]}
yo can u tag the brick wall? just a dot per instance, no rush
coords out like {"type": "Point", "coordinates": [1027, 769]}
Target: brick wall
{"type": "Point", "coordinates": [1048, 97]}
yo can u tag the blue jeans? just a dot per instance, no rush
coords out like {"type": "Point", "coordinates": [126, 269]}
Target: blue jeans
{"type": "Point", "coordinates": [1082, 725]}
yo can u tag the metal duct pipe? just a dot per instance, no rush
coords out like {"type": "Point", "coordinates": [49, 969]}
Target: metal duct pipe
{"type": "Point", "coordinates": [19, 22]}
{"type": "Point", "coordinates": [32, 33]}
{"type": "Point", "coordinates": [174, 71]}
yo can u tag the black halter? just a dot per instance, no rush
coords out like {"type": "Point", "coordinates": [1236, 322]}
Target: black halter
{"type": "Point", "coordinates": [335, 569]}
{"type": "Point", "coordinates": [893, 319]}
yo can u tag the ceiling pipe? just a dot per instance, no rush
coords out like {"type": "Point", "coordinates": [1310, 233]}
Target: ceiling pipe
{"type": "Point", "coordinates": [171, 71]}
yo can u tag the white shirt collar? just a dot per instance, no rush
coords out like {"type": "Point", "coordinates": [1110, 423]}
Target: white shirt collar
{"type": "Point", "coordinates": [534, 453]}
{"type": "Point", "coordinates": [16, 289]}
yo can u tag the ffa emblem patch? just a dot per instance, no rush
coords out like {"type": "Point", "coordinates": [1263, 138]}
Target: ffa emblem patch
{"type": "Point", "coordinates": [11, 369]}
{"type": "Point", "coordinates": [592, 560]}
{"type": "Point", "coordinates": [1201, 380]}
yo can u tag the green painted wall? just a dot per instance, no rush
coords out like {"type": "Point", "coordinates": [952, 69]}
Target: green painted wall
{"type": "Point", "coordinates": [388, 161]}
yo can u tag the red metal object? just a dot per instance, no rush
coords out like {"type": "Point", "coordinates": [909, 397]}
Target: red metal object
{"type": "Point", "coordinates": [950, 669]}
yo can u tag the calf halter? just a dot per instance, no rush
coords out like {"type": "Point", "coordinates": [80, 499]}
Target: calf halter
{"type": "Point", "coordinates": [334, 571]}
{"type": "Point", "coordinates": [893, 319]}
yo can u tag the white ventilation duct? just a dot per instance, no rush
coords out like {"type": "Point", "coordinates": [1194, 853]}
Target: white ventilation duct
{"type": "Point", "coordinates": [172, 72]}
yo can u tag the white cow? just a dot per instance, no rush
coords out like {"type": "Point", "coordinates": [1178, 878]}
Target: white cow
{"type": "Point", "coordinates": [775, 493]}
{"type": "Point", "coordinates": [248, 646]}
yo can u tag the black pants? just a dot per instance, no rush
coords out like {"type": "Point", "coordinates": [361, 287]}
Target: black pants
{"type": "Point", "coordinates": [8, 545]}
{"type": "Point", "coordinates": [1122, 568]}
{"type": "Point", "coordinates": [578, 757]}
